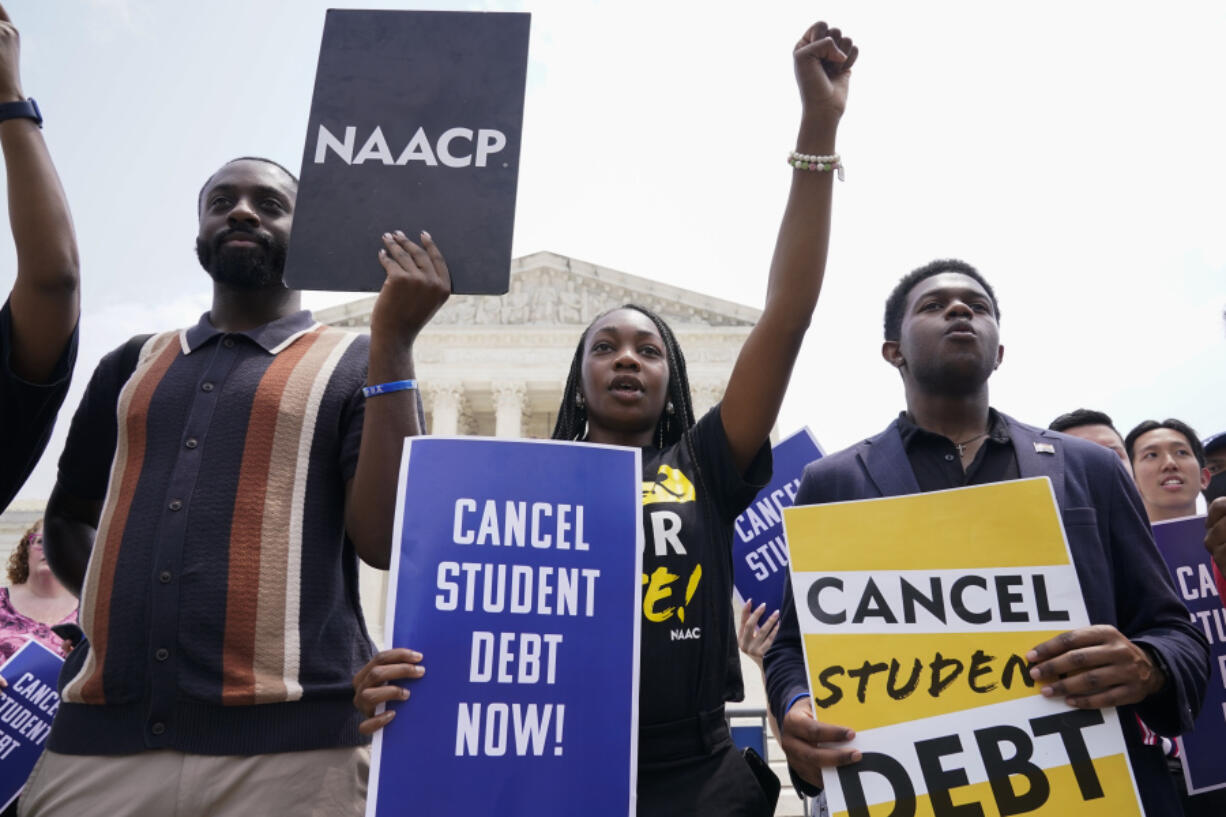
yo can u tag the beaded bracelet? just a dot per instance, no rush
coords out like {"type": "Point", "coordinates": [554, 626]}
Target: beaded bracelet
{"type": "Point", "coordinates": [388, 388]}
{"type": "Point", "coordinates": [806, 161]}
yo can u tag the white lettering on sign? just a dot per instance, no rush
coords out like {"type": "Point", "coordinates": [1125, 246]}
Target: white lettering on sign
{"type": "Point", "coordinates": [1195, 583]}
{"type": "Point", "coordinates": [454, 147]}
{"type": "Point", "coordinates": [767, 512]}
{"type": "Point", "coordinates": [494, 588]}
{"type": "Point", "coordinates": [514, 524]}
{"type": "Point", "coordinates": [494, 654]}
{"type": "Point", "coordinates": [509, 728]}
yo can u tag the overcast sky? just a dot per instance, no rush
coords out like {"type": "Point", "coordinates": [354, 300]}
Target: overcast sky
{"type": "Point", "coordinates": [1072, 152]}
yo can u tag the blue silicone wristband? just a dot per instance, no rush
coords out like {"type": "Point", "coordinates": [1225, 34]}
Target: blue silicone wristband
{"type": "Point", "coordinates": [388, 388]}
{"type": "Point", "coordinates": [792, 702]}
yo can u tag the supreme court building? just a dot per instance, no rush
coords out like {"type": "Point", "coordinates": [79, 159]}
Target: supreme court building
{"type": "Point", "coordinates": [495, 365]}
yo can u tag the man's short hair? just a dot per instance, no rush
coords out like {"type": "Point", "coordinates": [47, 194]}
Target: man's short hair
{"type": "Point", "coordinates": [897, 302]}
{"type": "Point", "coordinates": [1174, 425]}
{"type": "Point", "coordinates": [205, 186]}
{"type": "Point", "coordinates": [1082, 417]}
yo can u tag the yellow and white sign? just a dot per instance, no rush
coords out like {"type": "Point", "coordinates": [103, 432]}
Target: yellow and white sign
{"type": "Point", "coordinates": [916, 614]}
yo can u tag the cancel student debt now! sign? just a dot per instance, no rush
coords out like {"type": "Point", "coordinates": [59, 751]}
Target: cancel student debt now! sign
{"type": "Point", "coordinates": [916, 614]}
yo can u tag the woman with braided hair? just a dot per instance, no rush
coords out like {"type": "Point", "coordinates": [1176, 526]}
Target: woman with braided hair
{"type": "Point", "coordinates": [628, 386]}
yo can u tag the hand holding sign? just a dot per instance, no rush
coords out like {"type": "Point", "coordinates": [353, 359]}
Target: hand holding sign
{"type": "Point", "coordinates": [417, 285]}
{"type": "Point", "coordinates": [807, 742]}
{"type": "Point", "coordinates": [823, 66]}
{"type": "Point", "coordinates": [1095, 667]}
{"type": "Point", "coordinates": [373, 685]}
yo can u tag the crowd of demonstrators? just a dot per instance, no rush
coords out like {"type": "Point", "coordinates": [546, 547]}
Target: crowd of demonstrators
{"type": "Point", "coordinates": [34, 601]}
{"type": "Point", "coordinates": [220, 482]}
{"type": "Point", "coordinates": [942, 335]}
{"type": "Point", "coordinates": [38, 322]}
{"type": "Point", "coordinates": [214, 489]}
{"type": "Point", "coordinates": [1097, 427]}
{"type": "Point", "coordinates": [1171, 466]}
{"type": "Point", "coordinates": [628, 386]}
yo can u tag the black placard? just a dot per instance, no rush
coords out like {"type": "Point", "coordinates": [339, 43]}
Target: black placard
{"type": "Point", "coordinates": [415, 125]}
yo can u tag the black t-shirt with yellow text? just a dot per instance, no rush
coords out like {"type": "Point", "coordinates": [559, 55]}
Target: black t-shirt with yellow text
{"type": "Point", "coordinates": [692, 493]}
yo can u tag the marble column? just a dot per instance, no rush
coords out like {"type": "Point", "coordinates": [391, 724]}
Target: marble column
{"type": "Point", "coordinates": [447, 404]}
{"type": "Point", "coordinates": [705, 394]}
{"type": "Point", "coordinates": [372, 584]}
{"type": "Point", "coordinates": [509, 401]}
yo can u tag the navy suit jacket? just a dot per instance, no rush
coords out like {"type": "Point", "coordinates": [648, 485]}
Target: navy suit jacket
{"type": "Point", "coordinates": [1123, 578]}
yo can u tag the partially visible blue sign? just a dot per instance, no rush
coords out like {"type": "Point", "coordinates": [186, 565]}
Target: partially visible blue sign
{"type": "Point", "coordinates": [1182, 544]}
{"type": "Point", "coordinates": [759, 552]}
{"type": "Point", "coordinates": [27, 706]}
{"type": "Point", "coordinates": [516, 573]}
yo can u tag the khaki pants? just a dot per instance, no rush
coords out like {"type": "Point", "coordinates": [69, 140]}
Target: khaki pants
{"type": "Point", "coordinates": [163, 783]}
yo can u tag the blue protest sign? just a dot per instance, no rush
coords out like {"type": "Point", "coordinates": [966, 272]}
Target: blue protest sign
{"type": "Point", "coordinates": [759, 552]}
{"type": "Point", "coordinates": [515, 572]}
{"type": "Point", "coordinates": [27, 706]}
{"type": "Point", "coordinates": [415, 125]}
{"type": "Point", "coordinates": [1182, 544]}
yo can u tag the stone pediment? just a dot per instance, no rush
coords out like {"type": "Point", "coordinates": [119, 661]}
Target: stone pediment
{"type": "Point", "coordinates": [548, 289]}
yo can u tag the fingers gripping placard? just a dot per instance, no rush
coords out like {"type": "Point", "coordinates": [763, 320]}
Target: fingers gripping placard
{"type": "Point", "coordinates": [917, 614]}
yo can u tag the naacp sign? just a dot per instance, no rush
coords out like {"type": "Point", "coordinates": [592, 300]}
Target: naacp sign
{"type": "Point", "coordinates": [415, 125]}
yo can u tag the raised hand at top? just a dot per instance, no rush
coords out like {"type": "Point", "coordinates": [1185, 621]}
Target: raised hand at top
{"type": "Point", "coordinates": [824, 58]}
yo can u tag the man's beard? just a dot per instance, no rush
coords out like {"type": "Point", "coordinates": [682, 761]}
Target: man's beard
{"type": "Point", "coordinates": [249, 268]}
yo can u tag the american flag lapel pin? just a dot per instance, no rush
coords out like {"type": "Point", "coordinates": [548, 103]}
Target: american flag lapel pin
{"type": "Point", "coordinates": [1044, 448]}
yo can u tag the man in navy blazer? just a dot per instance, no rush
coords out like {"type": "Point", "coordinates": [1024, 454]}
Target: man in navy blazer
{"type": "Point", "coordinates": [1142, 653]}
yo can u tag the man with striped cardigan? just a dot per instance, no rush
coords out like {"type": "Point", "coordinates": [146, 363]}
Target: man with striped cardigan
{"type": "Point", "coordinates": [218, 485]}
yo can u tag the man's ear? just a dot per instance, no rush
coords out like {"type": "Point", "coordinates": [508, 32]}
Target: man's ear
{"type": "Point", "coordinates": [1205, 476]}
{"type": "Point", "coordinates": [1000, 356]}
{"type": "Point", "coordinates": [893, 354]}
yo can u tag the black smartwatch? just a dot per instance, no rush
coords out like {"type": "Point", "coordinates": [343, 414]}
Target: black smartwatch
{"type": "Point", "coordinates": [25, 109]}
